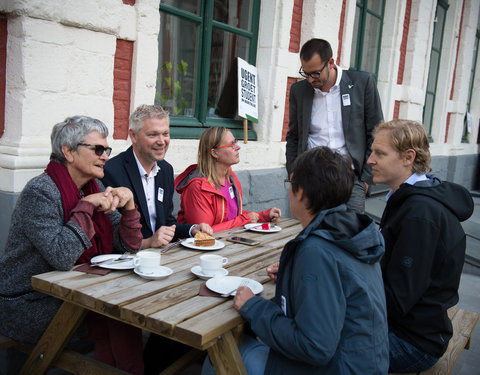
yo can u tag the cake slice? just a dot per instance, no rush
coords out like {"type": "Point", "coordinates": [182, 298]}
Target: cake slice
{"type": "Point", "coordinates": [203, 239]}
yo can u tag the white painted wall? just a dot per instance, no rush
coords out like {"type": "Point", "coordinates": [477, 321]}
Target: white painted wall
{"type": "Point", "coordinates": [61, 55]}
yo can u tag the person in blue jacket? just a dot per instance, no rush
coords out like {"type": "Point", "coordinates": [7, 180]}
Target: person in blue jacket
{"type": "Point", "coordinates": [329, 313]}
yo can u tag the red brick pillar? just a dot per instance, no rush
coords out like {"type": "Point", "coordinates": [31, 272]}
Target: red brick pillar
{"type": "Point", "coordinates": [122, 82]}
{"type": "Point", "coordinates": [296, 26]}
{"type": "Point", "coordinates": [286, 116]}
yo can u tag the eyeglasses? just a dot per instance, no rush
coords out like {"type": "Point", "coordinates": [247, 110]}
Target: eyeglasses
{"type": "Point", "coordinates": [233, 145]}
{"type": "Point", "coordinates": [314, 75]}
{"type": "Point", "coordinates": [99, 149]}
{"type": "Point", "coordinates": [287, 182]}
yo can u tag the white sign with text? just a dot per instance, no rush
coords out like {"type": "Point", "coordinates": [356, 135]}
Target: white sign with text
{"type": "Point", "coordinates": [247, 91]}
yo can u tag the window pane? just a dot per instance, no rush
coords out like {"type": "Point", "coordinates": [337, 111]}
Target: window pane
{"type": "Point", "coordinates": [370, 44]}
{"type": "Point", "coordinates": [375, 6]}
{"type": "Point", "coordinates": [222, 94]}
{"type": "Point", "coordinates": [192, 6]}
{"type": "Point", "coordinates": [428, 111]}
{"type": "Point", "coordinates": [438, 30]}
{"type": "Point", "coordinates": [432, 71]}
{"type": "Point", "coordinates": [356, 35]}
{"type": "Point", "coordinates": [177, 68]}
{"type": "Point", "coordinates": [237, 13]}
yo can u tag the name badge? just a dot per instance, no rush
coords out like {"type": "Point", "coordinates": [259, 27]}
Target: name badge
{"type": "Point", "coordinates": [284, 305]}
{"type": "Point", "coordinates": [230, 190]}
{"type": "Point", "coordinates": [346, 100]}
{"type": "Point", "coordinates": [160, 194]}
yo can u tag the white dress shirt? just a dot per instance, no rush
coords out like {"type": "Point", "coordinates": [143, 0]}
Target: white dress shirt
{"type": "Point", "coordinates": [148, 182]}
{"type": "Point", "coordinates": [326, 127]}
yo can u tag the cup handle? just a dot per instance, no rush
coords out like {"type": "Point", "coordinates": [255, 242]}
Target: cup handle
{"type": "Point", "coordinates": [224, 260]}
{"type": "Point", "coordinates": [136, 261]}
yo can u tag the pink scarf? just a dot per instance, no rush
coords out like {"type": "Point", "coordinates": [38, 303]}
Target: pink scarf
{"type": "Point", "coordinates": [102, 241]}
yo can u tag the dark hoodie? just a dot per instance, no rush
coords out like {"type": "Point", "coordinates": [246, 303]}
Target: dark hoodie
{"type": "Point", "coordinates": [329, 313]}
{"type": "Point", "coordinates": [424, 256]}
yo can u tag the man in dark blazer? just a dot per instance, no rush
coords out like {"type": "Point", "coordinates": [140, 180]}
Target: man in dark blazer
{"type": "Point", "coordinates": [334, 108]}
{"type": "Point", "coordinates": [144, 171]}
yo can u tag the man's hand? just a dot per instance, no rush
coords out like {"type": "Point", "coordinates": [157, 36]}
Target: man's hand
{"type": "Point", "coordinates": [244, 293]}
{"type": "Point", "coordinates": [160, 238]}
{"type": "Point", "coordinates": [272, 270]}
{"type": "Point", "coordinates": [202, 227]}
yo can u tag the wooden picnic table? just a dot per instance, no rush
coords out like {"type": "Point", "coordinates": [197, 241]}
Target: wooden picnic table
{"type": "Point", "coordinates": [171, 307]}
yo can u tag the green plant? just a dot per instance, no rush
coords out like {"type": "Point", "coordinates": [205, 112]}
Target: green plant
{"type": "Point", "coordinates": [171, 94]}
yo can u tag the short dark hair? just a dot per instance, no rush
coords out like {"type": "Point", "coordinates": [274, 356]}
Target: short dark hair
{"type": "Point", "coordinates": [316, 46]}
{"type": "Point", "coordinates": [325, 176]}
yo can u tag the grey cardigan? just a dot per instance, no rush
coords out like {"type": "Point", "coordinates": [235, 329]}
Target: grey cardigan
{"type": "Point", "coordinates": [38, 242]}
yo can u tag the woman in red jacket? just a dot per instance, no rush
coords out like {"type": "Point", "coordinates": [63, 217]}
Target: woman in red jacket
{"type": "Point", "coordinates": [210, 192]}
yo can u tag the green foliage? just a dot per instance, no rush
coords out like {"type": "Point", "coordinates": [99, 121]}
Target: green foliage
{"type": "Point", "coordinates": [171, 90]}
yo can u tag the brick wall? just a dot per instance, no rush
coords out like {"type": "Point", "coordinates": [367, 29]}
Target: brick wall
{"type": "Point", "coordinates": [296, 27]}
{"type": "Point", "coordinates": [290, 82]}
{"type": "Point", "coordinates": [340, 31]}
{"type": "Point", "coordinates": [122, 73]}
{"type": "Point", "coordinates": [403, 46]}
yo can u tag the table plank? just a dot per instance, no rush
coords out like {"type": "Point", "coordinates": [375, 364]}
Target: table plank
{"type": "Point", "coordinates": [171, 306]}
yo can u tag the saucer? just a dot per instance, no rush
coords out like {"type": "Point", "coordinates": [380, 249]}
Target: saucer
{"type": "Point", "coordinates": [197, 271]}
{"type": "Point", "coordinates": [159, 272]}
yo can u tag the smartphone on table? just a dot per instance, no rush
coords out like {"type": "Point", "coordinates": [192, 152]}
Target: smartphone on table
{"type": "Point", "coordinates": [243, 240]}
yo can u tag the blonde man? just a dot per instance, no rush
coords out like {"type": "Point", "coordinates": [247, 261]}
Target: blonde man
{"type": "Point", "coordinates": [424, 245]}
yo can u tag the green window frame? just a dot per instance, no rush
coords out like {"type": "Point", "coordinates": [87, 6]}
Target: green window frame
{"type": "Point", "coordinates": [367, 36]}
{"type": "Point", "coordinates": [196, 62]}
{"type": "Point", "coordinates": [472, 81]}
{"type": "Point", "coordinates": [434, 68]}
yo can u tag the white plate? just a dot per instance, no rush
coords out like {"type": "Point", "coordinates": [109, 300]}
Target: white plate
{"type": "Point", "coordinates": [257, 227]}
{"type": "Point", "coordinates": [190, 243]}
{"type": "Point", "coordinates": [197, 271]}
{"type": "Point", "coordinates": [122, 265]}
{"type": "Point", "coordinates": [225, 284]}
{"type": "Point", "coordinates": [158, 273]}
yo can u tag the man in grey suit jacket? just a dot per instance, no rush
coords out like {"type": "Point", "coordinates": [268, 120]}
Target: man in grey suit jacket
{"type": "Point", "coordinates": [334, 108]}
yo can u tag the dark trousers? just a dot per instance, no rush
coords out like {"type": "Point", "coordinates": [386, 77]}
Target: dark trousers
{"type": "Point", "coordinates": [160, 352]}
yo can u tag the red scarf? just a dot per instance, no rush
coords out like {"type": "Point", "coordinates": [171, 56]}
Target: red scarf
{"type": "Point", "coordinates": [102, 241]}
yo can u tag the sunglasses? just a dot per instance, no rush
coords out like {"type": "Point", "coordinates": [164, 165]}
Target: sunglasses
{"type": "Point", "coordinates": [234, 143]}
{"type": "Point", "coordinates": [99, 149]}
{"type": "Point", "coordinates": [314, 75]}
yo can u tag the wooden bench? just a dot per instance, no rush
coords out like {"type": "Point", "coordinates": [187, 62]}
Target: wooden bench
{"type": "Point", "coordinates": [69, 360]}
{"type": "Point", "coordinates": [463, 322]}
{"type": "Point", "coordinates": [77, 363]}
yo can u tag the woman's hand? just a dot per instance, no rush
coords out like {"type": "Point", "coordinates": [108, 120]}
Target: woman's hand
{"type": "Point", "coordinates": [122, 198]}
{"type": "Point", "coordinates": [111, 199]}
{"type": "Point", "coordinates": [272, 270]}
{"type": "Point", "coordinates": [202, 227]}
{"type": "Point", "coordinates": [275, 214]}
{"type": "Point", "coordinates": [101, 201]}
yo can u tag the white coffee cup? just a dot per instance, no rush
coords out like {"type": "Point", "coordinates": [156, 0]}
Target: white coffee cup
{"type": "Point", "coordinates": [147, 261]}
{"type": "Point", "coordinates": [212, 264]}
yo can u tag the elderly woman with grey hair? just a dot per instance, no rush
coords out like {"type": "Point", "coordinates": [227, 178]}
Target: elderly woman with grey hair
{"type": "Point", "coordinates": [64, 217]}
